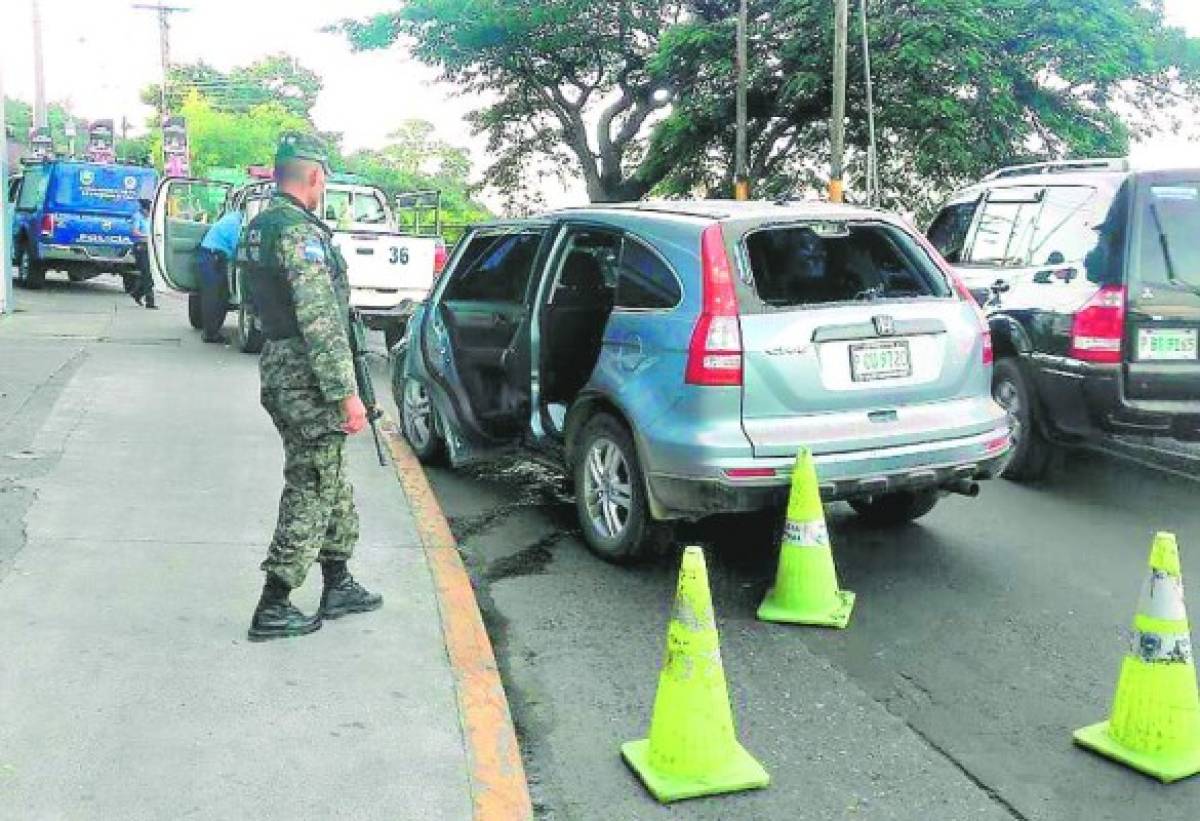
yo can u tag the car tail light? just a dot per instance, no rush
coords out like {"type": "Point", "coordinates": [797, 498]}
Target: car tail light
{"type": "Point", "coordinates": [440, 255]}
{"type": "Point", "coordinates": [989, 352]}
{"type": "Point", "coordinates": [1098, 328]}
{"type": "Point", "coordinates": [715, 352]}
{"type": "Point", "coordinates": [46, 226]}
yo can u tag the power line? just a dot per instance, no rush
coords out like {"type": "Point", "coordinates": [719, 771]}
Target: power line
{"type": "Point", "coordinates": [164, 43]}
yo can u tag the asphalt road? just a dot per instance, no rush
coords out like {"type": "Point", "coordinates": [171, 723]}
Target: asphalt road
{"type": "Point", "coordinates": [982, 637]}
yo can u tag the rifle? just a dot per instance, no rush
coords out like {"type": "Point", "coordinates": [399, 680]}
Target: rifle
{"type": "Point", "coordinates": [366, 389]}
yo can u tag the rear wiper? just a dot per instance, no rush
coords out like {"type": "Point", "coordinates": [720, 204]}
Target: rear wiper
{"type": "Point", "coordinates": [1166, 249]}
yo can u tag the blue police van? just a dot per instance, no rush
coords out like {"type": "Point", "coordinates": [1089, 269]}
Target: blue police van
{"type": "Point", "coordinates": [77, 217]}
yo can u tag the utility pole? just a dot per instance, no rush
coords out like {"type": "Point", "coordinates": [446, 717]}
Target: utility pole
{"type": "Point", "coordinates": [873, 185]}
{"type": "Point", "coordinates": [741, 189]}
{"type": "Point", "coordinates": [837, 122]}
{"type": "Point", "coordinates": [164, 45]}
{"type": "Point", "coordinates": [6, 305]}
{"type": "Point", "coordinates": [40, 117]}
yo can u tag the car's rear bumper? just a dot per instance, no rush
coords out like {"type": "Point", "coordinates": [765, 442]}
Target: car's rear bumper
{"type": "Point", "coordinates": [740, 485]}
{"type": "Point", "coordinates": [1082, 399]}
{"type": "Point", "coordinates": [96, 255]}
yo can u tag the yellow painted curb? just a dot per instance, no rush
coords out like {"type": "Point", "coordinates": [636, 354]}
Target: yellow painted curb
{"type": "Point", "coordinates": [498, 787]}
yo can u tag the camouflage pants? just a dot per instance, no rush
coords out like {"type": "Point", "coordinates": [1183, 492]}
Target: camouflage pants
{"type": "Point", "coordinates": [317, 517]}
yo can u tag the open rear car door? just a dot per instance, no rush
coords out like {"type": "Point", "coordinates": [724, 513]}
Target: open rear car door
{"type": "Point", "coordinates": [184, 210]}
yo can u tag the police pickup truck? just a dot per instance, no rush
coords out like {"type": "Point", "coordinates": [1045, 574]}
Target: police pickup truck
{"type": "Point", "coordinates": [76, 217]}
{"type": "Point", "coordinates": [390, 271]}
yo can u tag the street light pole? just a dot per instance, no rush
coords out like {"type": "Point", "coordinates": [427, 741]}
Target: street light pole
{"type": "Point", "coordinates": [837, 122]}
{"type": "Point", "coordinates": [741, 173]}
{"type": "Point", "coordinates": [164, 45]}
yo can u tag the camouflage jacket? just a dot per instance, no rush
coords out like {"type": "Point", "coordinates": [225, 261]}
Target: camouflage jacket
{"type": "Point", "coordinates": [296, 280]}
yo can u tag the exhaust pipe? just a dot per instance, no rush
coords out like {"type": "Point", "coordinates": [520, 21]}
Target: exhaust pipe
{"type": "Point", "coordinates": [963, 487]}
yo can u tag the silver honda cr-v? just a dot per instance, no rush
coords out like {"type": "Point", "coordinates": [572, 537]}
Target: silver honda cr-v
{"type": "Point", "coordinates": [673, 357]}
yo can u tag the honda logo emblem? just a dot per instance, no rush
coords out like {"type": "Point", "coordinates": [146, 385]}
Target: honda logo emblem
{"type": "Point", "coordinates": [885, 325]}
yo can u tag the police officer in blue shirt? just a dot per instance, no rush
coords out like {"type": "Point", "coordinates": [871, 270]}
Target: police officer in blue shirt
{"type": "Point", "coordinates": [143, 291]}
{"type": "Point", "coordinates": [216, 250]}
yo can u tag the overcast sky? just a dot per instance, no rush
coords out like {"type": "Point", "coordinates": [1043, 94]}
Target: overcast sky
{"type": "Point", "coordinates": [99, 53]}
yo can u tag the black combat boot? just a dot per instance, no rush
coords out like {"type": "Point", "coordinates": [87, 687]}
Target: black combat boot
{"type": "Point", "coordinates": [342, 595]}
{"type": "Point", "coordinates": [276, 617]}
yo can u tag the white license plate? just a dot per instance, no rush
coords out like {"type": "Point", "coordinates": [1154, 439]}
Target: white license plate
{"type": "Point", "coordinates": [1167, 344]}
{"type": "Point", "coordinates": [880, 360]}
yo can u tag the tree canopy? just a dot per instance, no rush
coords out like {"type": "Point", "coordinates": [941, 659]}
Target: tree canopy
{"type": "Point", "coordinates": [636, 96]}
{"type": "Point", "coordinates": [278, 78]}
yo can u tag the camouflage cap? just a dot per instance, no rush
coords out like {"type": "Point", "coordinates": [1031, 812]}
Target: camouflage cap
{"type": "Point", "coordinates": [296, 146]}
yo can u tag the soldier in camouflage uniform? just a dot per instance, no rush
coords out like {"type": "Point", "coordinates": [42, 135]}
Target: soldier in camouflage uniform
{"type": "Point", "coordinates": [296, 281]}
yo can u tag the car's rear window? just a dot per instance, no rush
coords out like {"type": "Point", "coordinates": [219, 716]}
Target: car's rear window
{"type": "Point", "coordinates": [804, 264]}
{"type": "Point", "coordinates": [114, 189]}
{"type": "Point", "coordinates": [1168, 229]}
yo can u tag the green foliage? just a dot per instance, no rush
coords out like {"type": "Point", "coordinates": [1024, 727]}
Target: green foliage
{"type": "Point", "coordinates": [278, 78]}
{"type": "Point", "coordinates": [222, 138]}
{"type": "Point", "coordinates": [136, 150]}
{"type": "Point", "coordinates": [416, 160]}
{"type": "Point", "coordinates": [636, 96]}
{"type": "Point", "coordinates": [18, 116]}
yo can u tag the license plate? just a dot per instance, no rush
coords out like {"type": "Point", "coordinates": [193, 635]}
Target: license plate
{"type": "Point", "coordinates": [1167, 344]}
{"type": "Point", "coordinates": [880, 360]}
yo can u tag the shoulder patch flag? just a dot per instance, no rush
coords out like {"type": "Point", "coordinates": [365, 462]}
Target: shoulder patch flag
{"type": "Point", "coordinates": [313, 252]}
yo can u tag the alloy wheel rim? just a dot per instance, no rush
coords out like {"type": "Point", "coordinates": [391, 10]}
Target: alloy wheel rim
{"type": "Point", "coordinates": [418, 413]}
{"type": "Point", "coordinates": [607, 488]}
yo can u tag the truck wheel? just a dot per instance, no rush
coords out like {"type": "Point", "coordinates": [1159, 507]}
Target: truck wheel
{"type": "Point", "coordinates": [249, 337]}
{"type": "Point", "coordinates": [610, 494]}
{"type": "Point", "coordinates": [195, 315]}
{"type": "Point", "coordinates": [31, 273]}
{"type": "Point", "coordinates": [419, 420]}
{"type": "Point", "coordinates": [892, 509]}
{"type": "Point", "coordinates": [1031, 452]}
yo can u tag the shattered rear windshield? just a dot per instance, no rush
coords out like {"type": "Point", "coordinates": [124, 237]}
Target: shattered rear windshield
{"type": "Point", "coordinates": [806, 265]}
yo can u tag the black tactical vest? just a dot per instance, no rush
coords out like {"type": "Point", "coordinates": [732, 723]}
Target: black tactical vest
{"type": "Point", "coordinates": [264, 283]}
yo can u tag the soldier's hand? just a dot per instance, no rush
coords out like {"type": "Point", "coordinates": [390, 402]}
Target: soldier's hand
{"type": "Point", "coordinates": [355, 414]}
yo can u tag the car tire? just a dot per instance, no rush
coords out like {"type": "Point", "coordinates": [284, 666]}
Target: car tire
{"type": "Point", "coordinates": [418, 420]}
{"type": "Point", "coordinates": [608, 483]}
{"type": "Point", "coordinates": [195, 314]}
{"type": "Point", "coordinates": [1031, 453]}
{"type": "Point", "coordinates": [248, 337]}
{"type": "Point", "coordinates": [31, 273]}
{"type": "Point", "coordinates": [892, 509]}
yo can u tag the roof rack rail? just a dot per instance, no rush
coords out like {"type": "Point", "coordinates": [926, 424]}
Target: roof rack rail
{"type": "Point", "coordinates": [1061, 167]}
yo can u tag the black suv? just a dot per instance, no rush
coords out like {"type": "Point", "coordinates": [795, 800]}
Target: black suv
{"type": "Point", "coordinates": [1089, 272]}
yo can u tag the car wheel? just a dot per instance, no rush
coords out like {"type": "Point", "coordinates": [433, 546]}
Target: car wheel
{"type": "Point", "coordinates": [610, 494]}
{"type": "Point", "coordinates": [31, 273]}
{"type": "Point", "coordinates": [891, 509]}
{"type": "Point", "coordinates": [419, 421]}
{"type": "Point", "coordinates": [1030, 455]}
{"type": "Point", "coordinates": [250, 337]}
{"type": "Point", "coordinates": [195, 314]}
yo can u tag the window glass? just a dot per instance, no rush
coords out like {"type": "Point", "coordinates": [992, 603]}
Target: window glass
{"type": "Point", "coordinates": [337, 206]}
{"type": "Point", "coordinates": [494, 268]}
{"type": "Point", "coordinates": [643, 280]}
{"type": "Point", "coordinates": [33, 190]}
{"type": "Point", "coordinates": [949, 231]}
{"type": "Point", "coordinates": [1005, 232]}
{"type": "Point", "coordinates": [795, 265]}
{"type": "Point", "coordinates": [1066, 225]}
{"type": "Point", "coordinates": [588, 265]}
{"type": "Point", "coordinates": [369, 209]}
{"type": "Point", "coordinates": [1169, 235]}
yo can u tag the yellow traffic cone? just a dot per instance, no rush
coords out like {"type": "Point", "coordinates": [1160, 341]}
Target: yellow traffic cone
{"type": "Point", "coordinates": [806, 586]}
{"type": "Point", "coordinates": [693, 748]}
{"type": "Point", "coordinates": [1155, 723]}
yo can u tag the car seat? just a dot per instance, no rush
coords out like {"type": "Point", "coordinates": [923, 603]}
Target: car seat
{"type": "Point", "coordinates": [575, 323]}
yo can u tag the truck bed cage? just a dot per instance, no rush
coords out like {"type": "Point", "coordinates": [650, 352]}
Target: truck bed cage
{"type": "Point", "coordinates": [1061, 167]}
{"type": "Point", "coordinates": [419, 213]}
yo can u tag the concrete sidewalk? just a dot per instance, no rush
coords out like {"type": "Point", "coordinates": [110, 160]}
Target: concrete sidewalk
{"type": "Point", "coordinates": [141, 479]}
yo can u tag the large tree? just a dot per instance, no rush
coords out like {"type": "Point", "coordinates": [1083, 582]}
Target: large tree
{"type": "Point", "coordinates": [637, 96]}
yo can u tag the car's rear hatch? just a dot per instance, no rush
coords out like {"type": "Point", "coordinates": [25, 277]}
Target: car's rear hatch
{"type": "Point", "coordinates": [1161, 351]}
{"type": "Point", "coordinates": [853, 339]}
{"type": "Point", "coordinates": [94, 206]}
